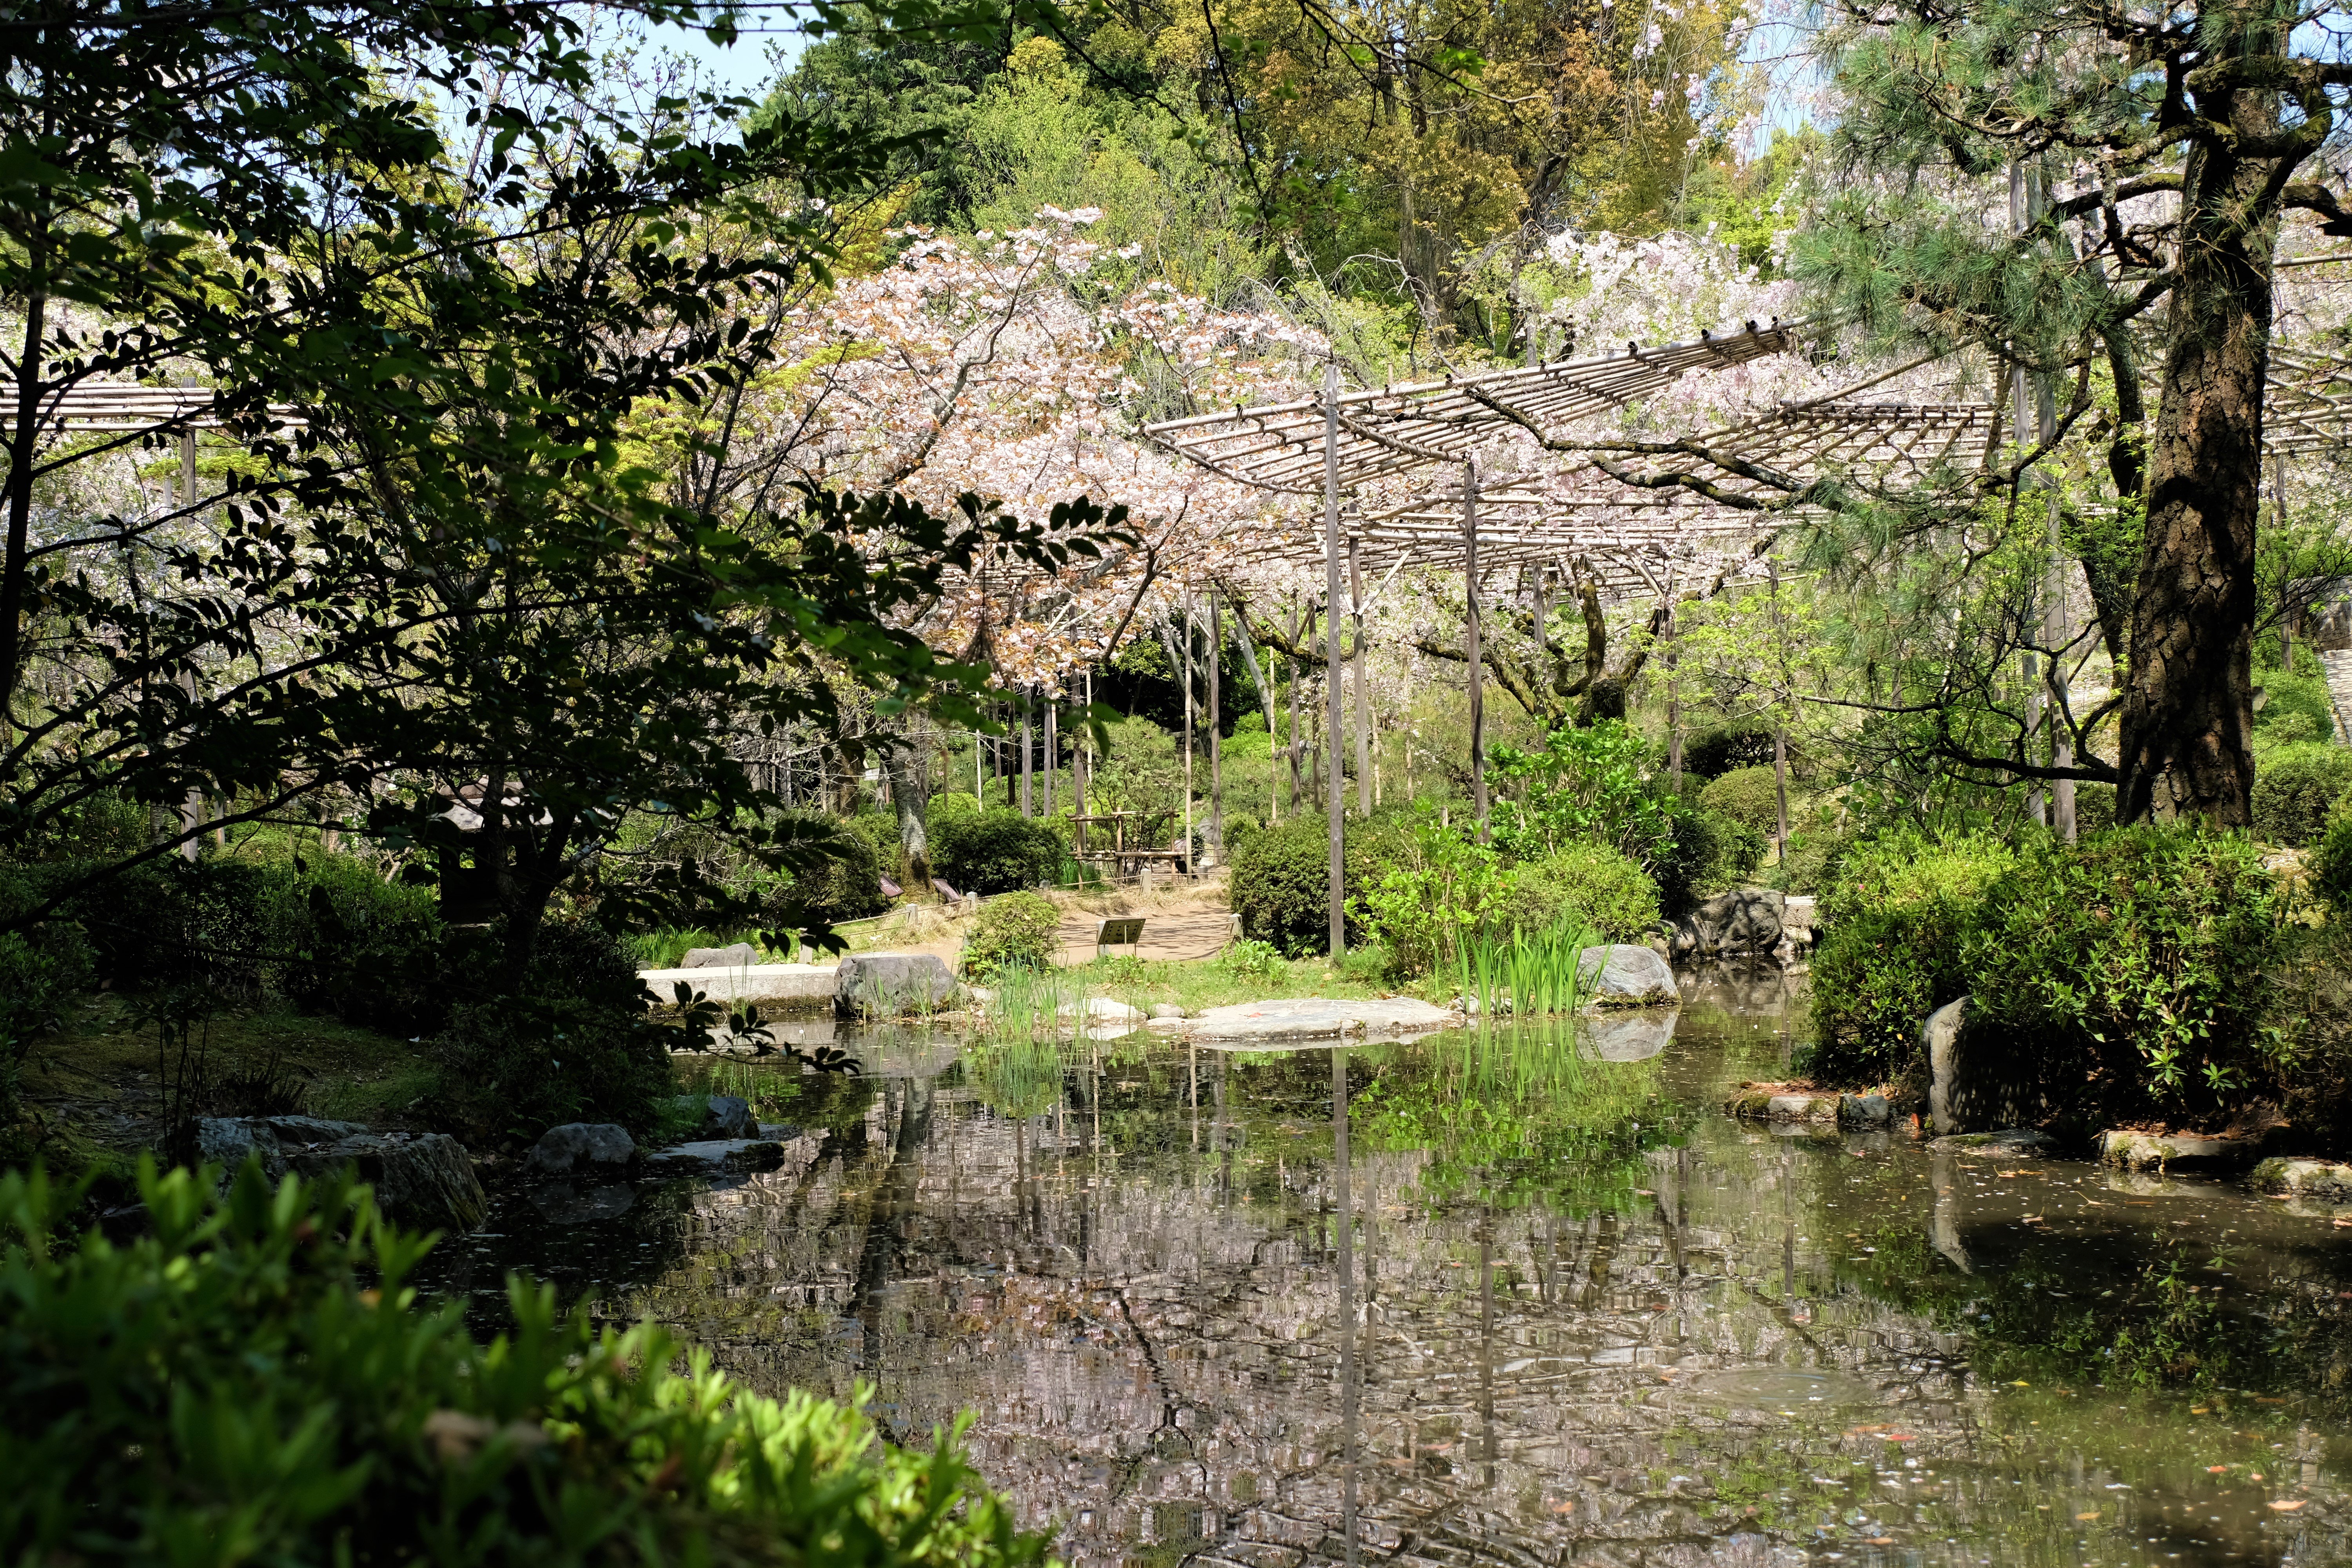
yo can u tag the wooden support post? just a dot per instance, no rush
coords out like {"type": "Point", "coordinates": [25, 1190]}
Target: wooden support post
{"type": "Point", "coordinates": [1027, 700]}
{"type": "Point", "coordinates": [1334, 800]}
{"type": "Point", "coordinates": [1052, 754]}
{"type": "Point", "coordinates": [1470, 636]}
{"type": "Point", "coordinates": [2056, 629]}
{"type": "Point", "coordinates": [1186, 662]}
{"type": "Point", "coordinates": [192, 807]}
{"type": "Point", "coordinates": [1363, 693]}
{"type": "Point", "coordinates": [2037, 808]}
{"type": "Point", "coordinates": [1290, 743]}
{"type": "Point", "coordinates": [1674, 706]}
{"type": "Point", "coordinates": [1216, 745]}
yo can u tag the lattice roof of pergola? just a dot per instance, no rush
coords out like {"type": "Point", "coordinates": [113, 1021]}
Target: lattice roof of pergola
{"type": "Point", "coordinates": [127, 407]}
{"type": "Point", "coordinates": [1390, 430]}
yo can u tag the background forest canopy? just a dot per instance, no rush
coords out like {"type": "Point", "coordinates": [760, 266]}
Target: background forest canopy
{"type": "Point", "coordinates": [585, 453]}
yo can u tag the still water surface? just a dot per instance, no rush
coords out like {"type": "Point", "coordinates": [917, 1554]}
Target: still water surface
{"type": "Point", "coordinates": [1488, 1300]}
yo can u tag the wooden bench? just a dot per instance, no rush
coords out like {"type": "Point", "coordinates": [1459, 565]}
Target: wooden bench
{"type": "Point", "coordinates": [1126, 929]}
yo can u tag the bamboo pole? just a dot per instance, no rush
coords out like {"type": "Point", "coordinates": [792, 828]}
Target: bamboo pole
{"type": "Point", "coordinates": [1187, 663]}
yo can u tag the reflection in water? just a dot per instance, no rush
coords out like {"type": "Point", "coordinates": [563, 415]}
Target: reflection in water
{"type": "Point", "coordinates": [1490, 1299]}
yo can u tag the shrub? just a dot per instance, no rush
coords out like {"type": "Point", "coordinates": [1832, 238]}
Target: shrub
{"type": "Point", "coordinates": [1707, 855]}
{"type": "Point", "coordinates": [1585, 884]}
{"type": "Point", "coordinates": [879, 829]}
{"type": "Point", "coordinates": [1022, 930]}
{"type": "Point", "coordinates": [2330, 864]}
{"type": "Point", "coordinates": [1749, 797]}
{"type": "Point", "coordinates": [351, 944]}
{"type": "Point", "coordinates": [512, 1067]}
{"type": "Point", "coordinates": [1711, 753]}
{"type": "Point", "coordinates": [1893, 915]}
{"type": "Point", "coordinates": [1281, 882]}
{"type": "Point", "coordinates": [2294, 789]}
{"type": "Point", "coordinates": [172, 922]}
{"type": "Point", "coordinates": [1876, 977]}
{"type": "Point", "coordinates": [255, 1381]}
{"type": "Point", "coordinates": [947, 804]}
{"type": "Point", "coordinates": [844, 884]}
{"type": "Point", "coordinates": [1588, 786]}
{"type": "Point", "coordinates": [2297, 709]}
{"type": "Point", "coordinates": [994, 851]}
{"type": "Point", "coordinates": [2134, 960]}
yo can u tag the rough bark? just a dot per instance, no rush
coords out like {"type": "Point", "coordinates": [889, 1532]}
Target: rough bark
{"type": "Point", "coordinates": [2187, 700]}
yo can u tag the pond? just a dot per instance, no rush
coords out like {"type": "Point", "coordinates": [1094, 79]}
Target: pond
{"type": "Point", "coordinates": [1488, 1298]}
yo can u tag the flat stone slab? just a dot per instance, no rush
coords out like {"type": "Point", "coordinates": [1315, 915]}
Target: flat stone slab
{"type": "Point", "coordinates": [737, 984]}
{"type": "Point", "coordinates": [717, 1154]}
{"type": "Point", "coordinates": [2179, 1151]}
{"type": "Point", "coordinates": [2012, 1141]}
{"type": "Point", "coordinates": [1314, 1018]}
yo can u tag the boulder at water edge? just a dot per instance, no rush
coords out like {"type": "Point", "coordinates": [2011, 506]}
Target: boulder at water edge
{"type": "Point", "coordinates": [886, 985]}
{"type": "Point", "coordinates": [579, 1146]}
{"type": "Point", "coordinates": [1625, 976]}
{"type": "Point", "coordinates": [1745, 922]}
{"type": "Point", "coordinates": [421, 1179]}
{"type": "Point", "coordinates": [723, 1116]}
{"type": "Point", "coordinates": [1976, 1085]}
{"type": "Point", "coordinates": [739, 956]}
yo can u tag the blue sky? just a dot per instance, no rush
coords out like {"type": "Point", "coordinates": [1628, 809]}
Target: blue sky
{"type": "Point", "coordinates": [744, 67]}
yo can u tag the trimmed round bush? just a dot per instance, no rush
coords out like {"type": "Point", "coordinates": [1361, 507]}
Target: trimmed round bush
{"type": "Point", "coordinates": [1707, 854]}
{"type": "Point", "coordinates": [1281, 883]}
{"type": "Point", "coordinates": [1894, 913]}
{"type": "Point", "coordinates": [2294, 789]}
{"type": "Point", "coordinates": [1589, 885]}
{"type": "Point", "coordinates": [357, 947]}
{"type": "Point", "coordinates": [1711, 753]}
{"type": "Point", "coordinates": [1020, 929]}
{"type": "Point", "coordinates": [1749, 797]}
{"type": "Point", "coordinates": [844, 883]}
{"type": "Point", "coordinates": [994, 851]}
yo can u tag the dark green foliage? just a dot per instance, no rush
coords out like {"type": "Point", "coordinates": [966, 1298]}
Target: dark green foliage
{"type": "Point", "coordinates": [1281, 882]}
{"type": "Point", "coordinates": [2136, 961]}
{"type": "Point", "coordinates": [1895, 912]}
{"type": "Point", "coordinates": [995, 850]}
{"type": "Point", "coordinates": [513, 1067]}
{"type": "Point", "coordinates": [2331, 862]}
{"type": "Point", "coordinates": [879, 830]}
{"type": "Point", "coordinates": [844, 884]}
{"type": "Point", "coordinates": [2294, 789]}
{"type": "Point", "coordinates": [1707, 855]}
{"type": "Point", "coordinates": [1750, 796]}
{"type": "Point", "coordinates": [173, 923]}
{"type": "Point", "coordinates": [351, 945]}
{"type": "Point", "coordinates": [1711, 753]}
{"type": "Point", "coordinates": [1877, 977]}
{"type": "Point", "coordinates": [2296, 711]}
{"type": "Point", "coordinates": [1018, 929]}
{"type": "Point", "coordinates": [254, 1381]}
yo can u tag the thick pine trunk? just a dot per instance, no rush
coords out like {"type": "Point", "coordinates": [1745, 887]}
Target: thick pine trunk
{"type": "Point", "coordinates": [2188, 709]}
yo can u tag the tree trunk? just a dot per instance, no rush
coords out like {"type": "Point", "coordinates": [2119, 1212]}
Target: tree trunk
{"type": "Point", "coordinates": [2188, 709]}
{"type": "Point", "coordinates": [910, 793]}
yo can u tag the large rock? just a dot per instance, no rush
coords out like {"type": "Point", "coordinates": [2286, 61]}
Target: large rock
{"type": "Point", "coordinates": [740, 955]}
{"type": "Point", "coordinates": [890, 984]}
{"type": "Point", "coordinates": [728, 1116]}
{"type": "Point", "coordinates": [1625, 976]}
{"type": "Point", "coordinates": [579, 1146]}
{"type": "Point", "coordinates": [2132, 1150]}
{"type": "Point", "coordinates": [422, 1179]}
{"type": "Point", "coordinates": [2326, 1178]}
{"type": "Point", "coordinates": [229, 1140]}
{"type": "Point", "coordinates": [772, 985]}
{"type": "Point", "coordinates": [713, 1155]}
{"type": "Point", "coordinates": [1730, 925]}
